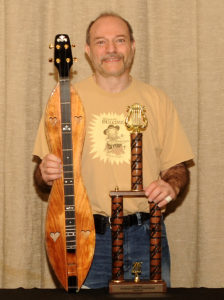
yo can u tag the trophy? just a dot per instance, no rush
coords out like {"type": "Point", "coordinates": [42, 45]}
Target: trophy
{"type": "Point", "coordinates": [136, 122]}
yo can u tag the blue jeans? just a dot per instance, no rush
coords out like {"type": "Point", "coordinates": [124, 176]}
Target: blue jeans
{"type": "Point", "coordinates": [136, 248]}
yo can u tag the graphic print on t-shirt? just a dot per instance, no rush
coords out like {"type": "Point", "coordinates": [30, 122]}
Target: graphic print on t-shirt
{"type": "Point", "coordinates": [110, 139]}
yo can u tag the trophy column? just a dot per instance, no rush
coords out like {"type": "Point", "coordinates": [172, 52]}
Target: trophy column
{"type": "Point", "coordinates": [117, 239]}
{"type": "Point", "coordinates": [136, 162]}
{"type": "Point", "coordinates": [136, 121]}
{"type": "Point", "coordinates": [155, 244]}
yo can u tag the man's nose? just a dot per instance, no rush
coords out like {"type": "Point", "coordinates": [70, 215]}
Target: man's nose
{"type": "Point", "coordinates": [111, 47]}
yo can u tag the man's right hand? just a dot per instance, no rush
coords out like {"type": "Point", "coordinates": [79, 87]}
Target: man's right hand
{"type": "Point", "coordinates": [50, 168]}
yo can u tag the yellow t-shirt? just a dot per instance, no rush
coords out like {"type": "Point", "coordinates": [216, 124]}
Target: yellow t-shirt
{"type": "Point", "coordinates": [106, 154]}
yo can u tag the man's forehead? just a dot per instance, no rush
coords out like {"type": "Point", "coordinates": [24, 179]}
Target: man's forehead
{"type": "Point", "coordinates": [109, 25]}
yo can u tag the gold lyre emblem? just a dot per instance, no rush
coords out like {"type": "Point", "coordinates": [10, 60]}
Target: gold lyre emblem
{"type": "Point", "coordinates": [136, 119]}
{"type": "Point", "coordinates": [136, 270]}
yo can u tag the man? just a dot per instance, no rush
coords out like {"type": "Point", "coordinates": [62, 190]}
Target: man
{"type": "Point", "coordinates": [110, 47]}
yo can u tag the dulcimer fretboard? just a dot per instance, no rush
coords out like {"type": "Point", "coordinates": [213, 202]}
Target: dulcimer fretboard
{"type": "Point", "coordinates": [69, 189]}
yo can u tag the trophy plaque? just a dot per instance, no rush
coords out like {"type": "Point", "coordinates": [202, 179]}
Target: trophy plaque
{"type": "Point", "coordinates": [136, 122]}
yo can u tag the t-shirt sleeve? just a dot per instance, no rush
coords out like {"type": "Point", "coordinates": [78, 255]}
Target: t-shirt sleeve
{"type": "Point", "coordinates": [41, 147]}
{"type": "Point", "coordinates": [175, 145]}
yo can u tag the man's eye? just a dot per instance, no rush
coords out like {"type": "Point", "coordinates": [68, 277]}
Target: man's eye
{"type": "Point", "coordinates": [100, 42]}
{"type": "Point", "coordinates": [121, 40]}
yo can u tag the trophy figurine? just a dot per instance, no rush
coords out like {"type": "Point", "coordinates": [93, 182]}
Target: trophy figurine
{"type": "Point", "coordinates": [136, 122]}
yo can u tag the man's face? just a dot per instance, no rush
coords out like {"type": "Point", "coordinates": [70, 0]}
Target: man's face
{"type": "Point", "coordinates": [110, 51]}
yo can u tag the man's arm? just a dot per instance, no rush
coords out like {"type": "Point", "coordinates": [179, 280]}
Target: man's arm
{"type": "Point", "coordinates": [49, 169]}
{"type": "Point", "coordinates": [172, 182]}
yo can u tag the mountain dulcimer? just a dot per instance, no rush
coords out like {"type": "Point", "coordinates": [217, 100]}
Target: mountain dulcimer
{"type": "Point", "coordinates": [70, 231]}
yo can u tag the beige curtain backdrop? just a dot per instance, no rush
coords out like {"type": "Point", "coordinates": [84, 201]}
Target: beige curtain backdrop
{"type": "Point", "coordinates": [180, 49]}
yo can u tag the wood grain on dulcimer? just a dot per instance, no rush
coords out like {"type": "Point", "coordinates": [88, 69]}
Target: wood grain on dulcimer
{"type": "Point", "coordinates": [70, 232]}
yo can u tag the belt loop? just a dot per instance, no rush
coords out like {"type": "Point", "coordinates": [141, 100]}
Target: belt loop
{"type": "Point", "coordinates": [139, 219]}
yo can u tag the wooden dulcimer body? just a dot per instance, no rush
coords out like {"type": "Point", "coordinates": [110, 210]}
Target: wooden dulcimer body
{"type": "Point", "coordinates": [70, 231]}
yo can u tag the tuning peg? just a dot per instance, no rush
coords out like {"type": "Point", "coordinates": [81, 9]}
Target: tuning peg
{"type": "Point", "coordinates": [73, 45]}
{"type": "Point", "coordinates": [75, 59]}
{"type": "Point", "coordinates": [51, 46]}
{"type": "Point", "coordinates": [50, 59]}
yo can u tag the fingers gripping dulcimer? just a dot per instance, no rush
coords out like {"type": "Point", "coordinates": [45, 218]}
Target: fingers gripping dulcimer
{"type": "Point", "coordinates": [70, 232]}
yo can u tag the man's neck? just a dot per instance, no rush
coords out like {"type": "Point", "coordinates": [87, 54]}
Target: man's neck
{"type": "Point", "coordinates": [113, 84]}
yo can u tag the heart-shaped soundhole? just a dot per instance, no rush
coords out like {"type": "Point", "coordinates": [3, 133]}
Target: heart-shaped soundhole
{"type": "Point", "coordinates": [85, 233]}
{"type": "Point", "coordinates": [53, 120]}
{"type": "Point", "coordinates": [54, 236]}
{"type": "Point", "coordinates": [78, 118]}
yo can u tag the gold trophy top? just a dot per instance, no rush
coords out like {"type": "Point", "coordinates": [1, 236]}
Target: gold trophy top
{"type": "Point", "coordinates": [136, 120]}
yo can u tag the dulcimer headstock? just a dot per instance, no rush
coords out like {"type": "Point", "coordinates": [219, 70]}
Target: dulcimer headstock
{"type": "Point", "coordinates": [63, 59]}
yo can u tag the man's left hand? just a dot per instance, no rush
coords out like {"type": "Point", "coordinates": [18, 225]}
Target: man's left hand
{"type": "Point", "coordinates": [160, 192]}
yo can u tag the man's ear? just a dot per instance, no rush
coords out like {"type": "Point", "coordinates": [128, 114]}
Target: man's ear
{"type": "Point", "coordinates": [87, 49]}
{"type": "Point", "coordinates": [133, 46]}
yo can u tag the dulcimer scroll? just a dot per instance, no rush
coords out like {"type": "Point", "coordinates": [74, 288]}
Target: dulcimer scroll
{"type": "Point", "coordinates": [70, 231]}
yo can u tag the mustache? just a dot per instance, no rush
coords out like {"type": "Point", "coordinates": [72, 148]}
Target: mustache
{"type": "Point", "coordinates": [112, 55]}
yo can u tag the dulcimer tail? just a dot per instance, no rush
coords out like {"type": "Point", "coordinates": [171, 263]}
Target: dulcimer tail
{"type": "Point", "coordinates": [69, 230]}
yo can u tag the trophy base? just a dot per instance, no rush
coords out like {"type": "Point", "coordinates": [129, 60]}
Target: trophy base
{"type": "Point", "coordinates": [141, 287]}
